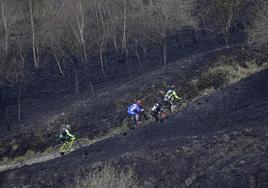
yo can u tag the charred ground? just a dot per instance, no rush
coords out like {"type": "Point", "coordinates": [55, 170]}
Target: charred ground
{"type": "Point", "coordinates": [217, 141]}
{"type": "Point", "coordinates": [32, 111]}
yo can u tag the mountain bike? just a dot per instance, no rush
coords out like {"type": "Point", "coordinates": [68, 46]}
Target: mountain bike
{"type": "Point", "coordinates": [159, 112]}
{"type": "Point", "coordinates": [130, 122]}
{"type": "Point", "coordinates": [174, 107]}
{"type": "Point", "coordinates": [163, 114]}
{"type": "Point", "coordinates": [66, 147]}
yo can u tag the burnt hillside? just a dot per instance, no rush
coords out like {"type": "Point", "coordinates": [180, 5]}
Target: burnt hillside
{"type": "Point", "coordinates": [217, 141]}
{"type": "Point", "coordinates": [82, 62]}
{"type": "Point", "coordinates": [97, 117]}
{"type": "Point", "coordinates": [58, 78]}
{"type": "Point", "coordinates": [61, 68]}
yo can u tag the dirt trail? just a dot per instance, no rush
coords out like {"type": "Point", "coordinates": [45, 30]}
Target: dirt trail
{"type": "Point", "coordinates": [50, 156]}
{"type": "Point", "coordinates": [28, 162]}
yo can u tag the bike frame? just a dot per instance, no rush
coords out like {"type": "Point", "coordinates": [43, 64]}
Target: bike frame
{"type": "Point", "coordinates": [67, 145]}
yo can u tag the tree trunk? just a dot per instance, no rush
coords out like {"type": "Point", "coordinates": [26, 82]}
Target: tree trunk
{"type": "Point", "coordinates": [7, 118]}
{"type": "Point", "coordinates": [82, 32]}
{"type": "Point", "coordinates": [115, 44]}
{"type": "Point", "coordinates": [125, 56]}
{"type": "Point", "coordinates": [164, 53]}
{"type": "Point", "coordinates": [124, 38]}
{"type": "Point", "coordinates": [76, 75]}
{"type": "Point", "coordinates": [58, 63]}
{"type": "Point", "coordinates": [33, 33]}
{"type": "Point", "coordinates": [76, 80]}
{"type": "Point", "coordinates": [87, 72]}
{"type": "Point", "coordinates": [19, 102]}
{"type": "Point", "coordinates": [5, 25]}
{"type": "Point", "coordinates": [226, 38]}
{"type": "Point", "coordinates": [137, 54]}
{"type": "Point", "coordinates": [101, 60]}
{"type": "Point", "coordinates": [145, 56]}
{"type": "Point", "coordinates": [92, 89]}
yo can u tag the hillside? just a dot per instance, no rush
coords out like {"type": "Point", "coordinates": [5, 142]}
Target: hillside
{"type": "Point", "coordinates": [83, 62]}
{"type": "Point", "coordinates": [194, 75]}
{"type": "Point", "coordinates": [217, 141]}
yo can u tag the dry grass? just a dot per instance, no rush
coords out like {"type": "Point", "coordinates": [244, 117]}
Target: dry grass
{"type": "Point", "coordinates": [234, 72]}
{"type": "Point", "coordinates": [258, 33]}
{"type": "Point", "coordinates": [226, 72]}
{"type": "Point", "coordinates": [108, 177]}
{"type": "Point", "coordinates": [6, 161]}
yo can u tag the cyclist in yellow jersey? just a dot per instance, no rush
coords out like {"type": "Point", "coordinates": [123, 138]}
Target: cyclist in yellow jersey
{"type": "Point", "coordinates": [171, 96]}
{"type": "Point", "coordinates": [65, 134]}
{"type": "Point", "coordinates": [67, 138]}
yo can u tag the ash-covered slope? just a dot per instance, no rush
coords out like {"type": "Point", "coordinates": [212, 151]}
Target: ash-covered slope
{"type": "Point", "coordinates": [218, 141]}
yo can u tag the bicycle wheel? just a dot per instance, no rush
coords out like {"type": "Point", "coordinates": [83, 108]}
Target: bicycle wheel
{"type": "Point", "coordinates": [147, 116]}
{"type": "Point", "coordinates": [163, 115]}
{"type": "Point", "coordinates": [127, 123]}
{"type": "Point", "coordinates": [64, 148]}
{"type": "Point", "coordinates": [175, 108]}
{"type": "Point", "coordinates": [76, 144]}
{"type": "Point", "coordinates": [166, 107]}
{"type": "Point", "coordinates": [56, 150]}
{"type": "Point", "coordinates": [81, 142]}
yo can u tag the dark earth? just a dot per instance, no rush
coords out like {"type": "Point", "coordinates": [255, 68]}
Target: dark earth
{"type": "Point", "coordinates": [92, 117]}
{"type": "Point", "coordinates": [49, 99]}
{"type": "Point", "coordinates": [217, 141]}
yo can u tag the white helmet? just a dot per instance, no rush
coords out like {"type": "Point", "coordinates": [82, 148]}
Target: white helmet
{"type": "Point", "coordinates": [68, 126]}
{"type": "Point", "coordinates": [172, 87]}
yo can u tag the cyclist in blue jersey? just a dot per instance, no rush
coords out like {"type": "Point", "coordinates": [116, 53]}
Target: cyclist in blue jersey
{"type": "Point", "coordinates": [135, 110]}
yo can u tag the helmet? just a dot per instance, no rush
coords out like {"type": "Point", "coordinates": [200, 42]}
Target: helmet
{"type": "Point", "coordinates": [68, 126]}
{"type": "Point", "coordinates": [172, 87]}
{"type": "Point", "coordinates": [139, 102]}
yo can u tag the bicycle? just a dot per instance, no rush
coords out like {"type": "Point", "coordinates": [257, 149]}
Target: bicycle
{"type": "Point", "coordinates": [66, 147]}
{"type": "Point", "coordinates": [163, 114]}
{"type": "Point", "coordinates": [159, 112]}
{"type": "Point", "coordinates": [130, 122]}
{"type": "Point", "coordinates": [174, 106]}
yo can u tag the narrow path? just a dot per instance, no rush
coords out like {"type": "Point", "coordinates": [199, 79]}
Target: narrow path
{"type": "Point", "coordinates": [27, 162]}
{"type": "Point", "coordinates": [50, 156]}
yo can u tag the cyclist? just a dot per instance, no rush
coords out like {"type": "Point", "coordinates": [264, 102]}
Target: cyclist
{"type": "Point", "coordinates": [66, 136]}
{"type": "Point", "coordinates": [135, 111]}
{"type": "Point", "coordinates": [171, 97]}
{"type": "Point", "coordinates": [156, 111]}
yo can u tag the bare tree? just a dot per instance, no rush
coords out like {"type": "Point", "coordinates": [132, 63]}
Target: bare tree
{"type": "Point", "coordinates": [33, 32]}
{"type": "Point", "coordinates": [3, 10]}
{"type": "Point", "coordinates": [162, 18]}
{"type": "Point", "coordinates": [220, 14]}
{"type": "Point", "coordinates": [81, 29]}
